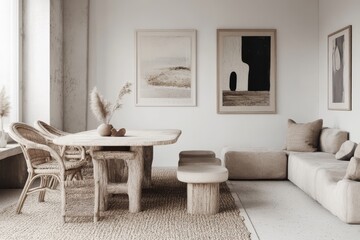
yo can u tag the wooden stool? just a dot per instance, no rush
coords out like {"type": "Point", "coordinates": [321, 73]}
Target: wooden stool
{"type": "Point", "coordinates": [196, 154]}
{"type": "Point", "coordinates": [201, 160]}
{"type": "Point", "coordinates": [202, 187]}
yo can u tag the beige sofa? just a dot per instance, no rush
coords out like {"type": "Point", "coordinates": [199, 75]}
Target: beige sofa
{"type": "Point", "coordinates": [319, 174]}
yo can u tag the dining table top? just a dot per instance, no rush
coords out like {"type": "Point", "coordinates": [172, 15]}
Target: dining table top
{"type": "Point", "coordinates": [145, 137]}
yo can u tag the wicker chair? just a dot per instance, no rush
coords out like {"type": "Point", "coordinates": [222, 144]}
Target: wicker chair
{"type": "Point", "coordinates": [42, 162]}
{"type": "Point", "coordinates": [69, 152]}
{"type": "Point", "coordinates": [49, 130]}
{"type": "Point", "coordinates": [52, 132]}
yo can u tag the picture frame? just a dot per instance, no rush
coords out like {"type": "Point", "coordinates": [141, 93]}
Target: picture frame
{"type": "Point", "coordinates": [246, 71]}
{"type": "Point", "coordinates": [340, 69]}
{"type": "Point", "coordinates": [165, 67]}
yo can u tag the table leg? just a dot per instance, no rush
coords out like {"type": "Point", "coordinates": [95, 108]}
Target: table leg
{"type": "Point", "coordinates": [101, 181]}
{"type": "Point", "coordinates": [96, 191]}
{"type": "Point", "coordinates": [148, 159]}
{"type": "Point", "coordinates": [135, 178]}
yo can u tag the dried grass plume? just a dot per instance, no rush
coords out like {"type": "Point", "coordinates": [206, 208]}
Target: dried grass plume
{"type": "Point", "coordinates": [104, 110]}
{"type": "Point", "coordinates": [99, 106]}
{"type": "Point", "coordinates": [4, 103]}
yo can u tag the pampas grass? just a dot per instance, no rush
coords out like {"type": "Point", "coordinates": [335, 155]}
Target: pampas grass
{"type": "Point", "coordinates": [4, 103]}
{"type": "Point", "coordinates": [99, 106]}
{"type": "Point", "coordinates": [4, 106]}
{"type": "Point", "coordinates": [104, 110]}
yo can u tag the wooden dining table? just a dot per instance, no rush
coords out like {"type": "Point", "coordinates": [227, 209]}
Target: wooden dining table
{"type": "Point", "coordinates": [139, 160]}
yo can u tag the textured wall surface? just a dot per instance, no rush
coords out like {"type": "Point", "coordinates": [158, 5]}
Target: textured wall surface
{"type": "Point", "coordinates": [302, 29]}
{"type": "Point", "coordinates": [76, 27]}
{"type": "Point", "coordinates": [112, 62]}
{"type": "Point", "coordinates": [335, 15]}
{"type": "Point", "coordinates": [56, 63]}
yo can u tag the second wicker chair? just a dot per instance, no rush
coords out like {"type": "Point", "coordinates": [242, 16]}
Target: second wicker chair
{"type": "Point", "coordinates": [69, 152]}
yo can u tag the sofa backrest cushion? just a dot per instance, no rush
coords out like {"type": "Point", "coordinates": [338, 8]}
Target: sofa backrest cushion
{"type": "Point", "coordinates": [331, 139]}
{"type": "Point", "coordinates": [303, 137]}
{"type": "Point", "coordinates": [346, 150]}
{"type": "Point", "coordinates": [353, 169]}
{"type": "Point", "coordinates": [357, 151]}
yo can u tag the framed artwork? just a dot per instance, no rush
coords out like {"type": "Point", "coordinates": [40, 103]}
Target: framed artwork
{"type": "Point", "coordinates": [246, 64]}
{"type": "Point", "coordinates": [339, 69]}
{"type": "Point", "coordinates": [165, 68]}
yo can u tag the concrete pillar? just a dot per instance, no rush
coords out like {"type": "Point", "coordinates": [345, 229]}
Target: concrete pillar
{"type": "Point", "coordinates": [76, 27]}
{"type": "Point", "coordinates": [55, 56]}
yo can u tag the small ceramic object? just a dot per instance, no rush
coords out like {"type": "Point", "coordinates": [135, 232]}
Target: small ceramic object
{"type": "Point", "coordinates": [118, 133]}
{"type": "Point", "coordinates": [104, 129]}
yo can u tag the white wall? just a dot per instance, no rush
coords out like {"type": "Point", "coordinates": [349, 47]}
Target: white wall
{"type": "Point", "coordinates": [112, 62]}
{"type": "Point", "coordinates": [334, 15]}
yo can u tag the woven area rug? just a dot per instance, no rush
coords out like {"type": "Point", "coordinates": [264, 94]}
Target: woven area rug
{"type": "Point", "coordinates": [164, 216]}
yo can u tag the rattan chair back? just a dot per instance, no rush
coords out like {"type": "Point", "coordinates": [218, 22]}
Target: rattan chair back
{"type": "Point", "coordinates": [32, 143]}
{"type": "Point", "coordinates": [49, 130]}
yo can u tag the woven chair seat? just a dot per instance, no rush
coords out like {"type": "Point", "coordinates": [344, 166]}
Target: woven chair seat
{"type": "Point", "coordinates": [68, 165]}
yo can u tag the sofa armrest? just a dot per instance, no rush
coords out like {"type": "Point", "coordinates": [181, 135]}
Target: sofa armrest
{"type": "Point", "coordinates": [348, 193]}
{"type": "Point", "coordinates": [226, 149]}
{"type": "Point", "coordinates": [254, 163]}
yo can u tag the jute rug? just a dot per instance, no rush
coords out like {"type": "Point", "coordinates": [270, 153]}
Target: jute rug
{"type": "Point", "coordinates": [164, 216]}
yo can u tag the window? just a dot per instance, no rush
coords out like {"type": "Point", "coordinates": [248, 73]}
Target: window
{"type": "Point", "coordinates": [10, 55]}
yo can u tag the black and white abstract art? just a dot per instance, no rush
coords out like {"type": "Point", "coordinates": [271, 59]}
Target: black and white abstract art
{"type": "Point", "coordinates": [339, 69]}
{"type": "Point", "coordinates": [246, 70]}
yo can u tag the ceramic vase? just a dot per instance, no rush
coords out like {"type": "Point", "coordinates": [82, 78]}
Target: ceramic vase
{"type": "Point", "coordinates": [104, 129]}
{"type": "Point", "coordinates": [3, 139]}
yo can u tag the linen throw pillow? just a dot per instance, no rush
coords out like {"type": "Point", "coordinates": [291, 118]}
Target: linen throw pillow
{"type": "Point", "coordinates": [353, 169]}
{"type": "Point", "coordinates": [346, 150]}
{"type": "Point", "coordinates": [303, 137]}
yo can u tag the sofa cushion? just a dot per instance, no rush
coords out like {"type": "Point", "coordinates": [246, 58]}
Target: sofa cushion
{"type": "Point", "coordinates": [348, 204]}
{"type": "Point", "coordinates": [346, 150]}
{"type": "Point", "coordinates": [303, 169]}
{"type": "Point", "coordinates": [322, 176]}
{"type": "Point", "coordinates": [357, 151]}
{"type": "Point", "coordinates": [303, 137]}
{"type": "Point", "coordinates": [353, 169]}
{"type": "Point", "coordinates": [328, 193]}
{"type": "Point", "coordinates": [256, 164]}
{"type": "Point", "coordinates": [331, 139]}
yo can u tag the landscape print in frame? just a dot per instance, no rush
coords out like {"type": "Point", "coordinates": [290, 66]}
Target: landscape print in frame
{"type": "Point", "coordinates": [339, 69]}
{"type": "Point", "coordinates": [166, 67]}
{"type": "Point", "coordinates": [246, 64]}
